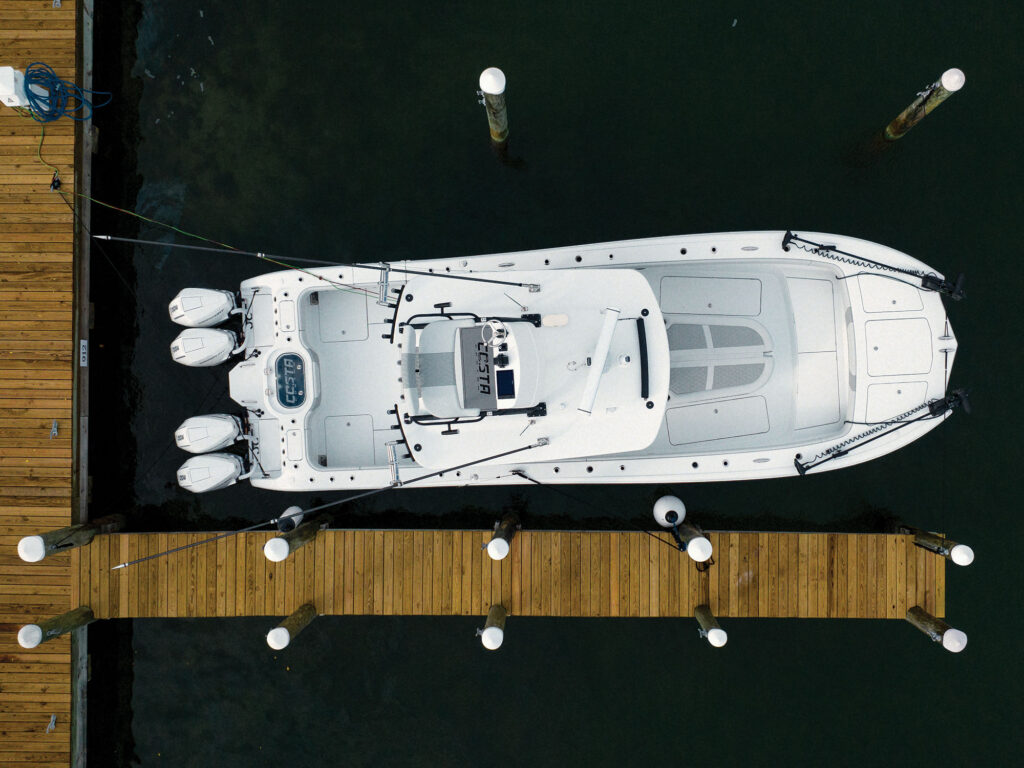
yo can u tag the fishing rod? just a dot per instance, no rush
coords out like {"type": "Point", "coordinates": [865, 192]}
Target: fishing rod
{"type": "Point", "coordinates": [288, 515]}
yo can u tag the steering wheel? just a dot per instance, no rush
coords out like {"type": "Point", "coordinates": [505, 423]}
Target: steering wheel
{"type": "Point", "coordinates": [493, 333]}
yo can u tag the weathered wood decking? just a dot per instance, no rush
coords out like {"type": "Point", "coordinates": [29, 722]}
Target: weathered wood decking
{"type": "Point", "coordinates": [548, 573]}
{"type": "Point", "coordinates": [36, 351]}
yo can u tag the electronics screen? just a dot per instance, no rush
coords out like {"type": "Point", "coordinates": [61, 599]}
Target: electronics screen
{"type": "Point", "coordinates": [506, 383]}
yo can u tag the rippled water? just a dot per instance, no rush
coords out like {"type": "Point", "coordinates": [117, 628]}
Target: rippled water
{"type": "Point", "coordinates": [341, 132]}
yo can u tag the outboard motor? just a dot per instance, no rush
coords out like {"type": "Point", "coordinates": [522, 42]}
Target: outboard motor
{"type": "Point", "coordinates": [202, 307]}
{"type": "Point", "coordinates": [204, 346]}
{"type": "Point", "coordinates": [211, 471]}
{"type": "Point", "coordinates": [212, 432]}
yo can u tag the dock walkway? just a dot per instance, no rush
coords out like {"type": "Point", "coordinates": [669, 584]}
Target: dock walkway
{"type": "Point", "coordinates": [548, 573]}
{"type": "Point", "coordinates": [36, 358]}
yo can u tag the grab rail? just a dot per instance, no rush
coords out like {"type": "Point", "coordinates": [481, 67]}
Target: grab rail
{"type": "Point", "coordinates": [645, 383]}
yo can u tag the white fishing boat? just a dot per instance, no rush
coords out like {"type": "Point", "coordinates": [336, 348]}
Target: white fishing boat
{"type": "Point", "coordinates": [678, 359]}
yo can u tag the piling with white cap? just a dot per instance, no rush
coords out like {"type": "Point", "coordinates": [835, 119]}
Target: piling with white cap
{"type": "Point", "coordinates": [280, 636]}
{"type": "Point", "coordinates": [493, 633]}
{"type": "Point", "coordinates": [952, 80]}
{"type": "Point", "coordinates": [279, 547]}
{"type": "Point", "coordinates": [953, 640]}
{"type": "Point", "coordinates": [961, 554]}
{"type": "Point", "coordinates": [492, 88]}
{"type": "Point", "coordinates": [709, 628]}
{"type": "Point", "coordinates": [31, 635]}
{"type": "Point", "coordinates": [501, 542]}
{"type": "Point", "coordinates": [32, 549]}
{"type": "Point", "coordinates": [698, 546]}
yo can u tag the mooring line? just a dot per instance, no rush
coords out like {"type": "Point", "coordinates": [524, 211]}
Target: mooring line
{"type": "Point", "coordinates": [363, 495]}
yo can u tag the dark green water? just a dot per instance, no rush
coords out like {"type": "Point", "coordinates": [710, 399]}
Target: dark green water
{"type": "Point", "coordinates": [348, 132]}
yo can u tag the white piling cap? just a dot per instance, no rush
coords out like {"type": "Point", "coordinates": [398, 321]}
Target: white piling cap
{"type": "Point", "coordinates": [953, 79]}
{"type": "Point", "coordinates": [276, 549]}
{"type": "Point", "coordinates": [32, 549]}
{"type": "Point", "coordinates": [953, 640]}
{"type": "Point", "coordinates": [30, 636]}
{"type": "Point", "coordinates": [667, 504]}
{"type": "Point", "coordinates": [498, 548]}
{"type": "Point", "coordinates": [492, 638]}
{"type": "Point", "coordinates": [961, 554]}
{"type": "Point", "coordinates": [717, 637]}
{"type": "Point", "coordinates": [278, 638]}
{"type": "Point", "coordinates": [699, 549]}
{"type": "Point", "coordinates": [492, 81]}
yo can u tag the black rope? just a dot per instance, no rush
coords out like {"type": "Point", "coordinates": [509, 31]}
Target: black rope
{"type": "Point", "coordinates": [879, 430]}
{"type": "Point", "coordinates": [263, 256]}
{"type": "Point", "coordinates": [354, 497]}
{"type": "Point", "coordinates": [833, 253]}
{"type": "Point", "coordinates": [888, 277]}
{"type": "Point", "coordinates": [578, 500]}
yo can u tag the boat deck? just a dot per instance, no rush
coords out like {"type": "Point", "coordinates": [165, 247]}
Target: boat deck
{"type": "Point", "coordinates": [548, 573]}
{"type": "Point", "coordinates": [36, 358]}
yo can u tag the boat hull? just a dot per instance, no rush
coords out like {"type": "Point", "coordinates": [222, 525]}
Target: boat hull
{"type": "Point", "coordinates": [826, 399]}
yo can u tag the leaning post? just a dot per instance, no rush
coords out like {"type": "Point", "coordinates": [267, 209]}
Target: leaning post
{"type": "Point", "coordinates": [32, 549]}
{"type": "Point", "coordinates": [493, 633]}
{"type": "Point", "coordinates": [492, 88]}
{"type": "Point", "coordinates": [953, 640]}
{"type": "Point", "coordinates": [709, 627]}
{"type": "Point", "coordinates": [31, 635]}
{"type": "Point", "coordinates": [279, 547]}
{"type": "Point", "coordinates": [698, 546]}
{"type": "Point", "coordinates": [501, 542]}
{"type": "Point", "coordinates": [961, 554]}
{"type": "Point", "coordinates": [280, 636]}
{"type": "Point", "coordinates": [952, 80]}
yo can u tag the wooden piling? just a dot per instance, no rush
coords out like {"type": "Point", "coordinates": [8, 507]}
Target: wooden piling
{"type": "Point", "coordinates": [32, 549]}
{"type": "Point", "coordinates": [278, 548]}
{"type": "Point", "coordinates": [952, 80]}
{"type": "Point", "coordinates": [501, 542]}
{"type": "Point", "coordinates": [31, 635]}
{"type": "Point", "coordinates": [698, 546]}
{"type": "Point", "coordinates": [709, 627]}
{"type": "Point", "coordinates": [281, 636]}
{"type": "Point", "coordinates": [953, 640]}
{"type": "Point", "coordinates": [961, 554]}
{"type": "Point", "coordinates": [493, 633]}
{"type": "Point", "coordinates": [492, 88]}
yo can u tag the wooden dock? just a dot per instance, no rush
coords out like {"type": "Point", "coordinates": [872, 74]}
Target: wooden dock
{"type": "Point", "coordinates": [36, 358]}
{"type": "Point", "coordinates": [548, 573]}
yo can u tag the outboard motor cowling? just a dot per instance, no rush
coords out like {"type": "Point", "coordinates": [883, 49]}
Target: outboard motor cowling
{"type": "Point", "coordinates": [201, 434]}
{"type": "Point", "coordinates": [204, 346]}
{"type": "Point", "coordinates": [201, 307]}
{"type": "Point", "coordinates": [210, 472]}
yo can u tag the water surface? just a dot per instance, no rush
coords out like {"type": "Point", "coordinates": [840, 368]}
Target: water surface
{"type": "Point", "coordinates": [343, 132]}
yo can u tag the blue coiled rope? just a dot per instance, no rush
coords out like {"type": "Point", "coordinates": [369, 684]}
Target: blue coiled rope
{"type": "Point", "coordinates": [61, 98]}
